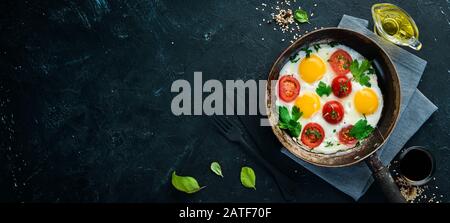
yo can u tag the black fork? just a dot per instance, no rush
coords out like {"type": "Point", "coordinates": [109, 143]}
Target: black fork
{"type": "Point", "coordinates": [235, 134]}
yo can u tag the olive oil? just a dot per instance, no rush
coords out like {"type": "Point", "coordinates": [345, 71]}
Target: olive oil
{"type": "Point", "coordinates": [395, 25]}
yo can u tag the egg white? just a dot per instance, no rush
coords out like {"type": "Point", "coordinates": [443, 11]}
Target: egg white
{"type": "Point", "coordinates": [351, 115]}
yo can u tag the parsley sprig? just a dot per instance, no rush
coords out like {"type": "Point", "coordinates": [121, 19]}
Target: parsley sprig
{"type": "Point", "coordinates": [294, 58]}
{"type": "Point", "coordinates": [307, 51]}
{"type": "Point", "coordinates": [316, 47]}
{"type": "Point", "coordinates": [362, 71]}
{"type": "Point", "coordinates": [290, 121]}
{"type": "Point", "coordinates": [361, 129]}
{"type": "Point", "coordinates": [323, 89]}
{"type": "Point", "coordinates": [333, 43]}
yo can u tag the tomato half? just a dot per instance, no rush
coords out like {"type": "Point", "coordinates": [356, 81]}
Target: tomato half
{"type": "Point", "coordinates": [341, 86]}
{"type": "Point", "coordinates": [288, 88]}
{"type": "Point", "coordinates": [340, 62]}
{"type": "Point", "coordinates": [333, 112]}
{"type": "Point", "coordinates": [312, 135]}
{"type": "Point", "coordinates": [345, 138]}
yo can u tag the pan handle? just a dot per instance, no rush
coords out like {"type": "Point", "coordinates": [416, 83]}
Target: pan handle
{"type": "Point", "coordinates": [385, 180]}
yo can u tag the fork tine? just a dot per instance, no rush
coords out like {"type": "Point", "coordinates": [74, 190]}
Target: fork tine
{"type": "Point", "coordinates": [224, 124]}
{"type": "Point", "coordinates": [228, 124]}
{"type": "Point", "coordinates": [218, 124]}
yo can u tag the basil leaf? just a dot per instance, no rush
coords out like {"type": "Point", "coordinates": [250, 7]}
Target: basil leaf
{"type": "Point", "coordinates": [248, 178]}
{"type": "Point", "coordinates": [215, 167]}
{"type": "Point", "coordinates": [301, 16]}
{"type": "Point", "coordinates": [185, 183]}
{"type": "Point", "coordinates": [284, 114]}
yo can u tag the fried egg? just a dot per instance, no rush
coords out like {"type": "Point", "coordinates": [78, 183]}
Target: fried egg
{"type": "Point", "coordinates": [362, 102]}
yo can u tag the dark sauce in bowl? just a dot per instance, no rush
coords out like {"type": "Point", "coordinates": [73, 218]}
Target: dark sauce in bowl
{"type": "Point", "coordinates": [416, 165]}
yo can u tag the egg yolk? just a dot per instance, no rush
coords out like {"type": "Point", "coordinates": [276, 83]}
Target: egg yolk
{"type": "Point", "coordinates": [366, 101]}
{"type": "Point", "coordinates": [308, 103]}
{"type": "Point", "coordinates": [312, 68]}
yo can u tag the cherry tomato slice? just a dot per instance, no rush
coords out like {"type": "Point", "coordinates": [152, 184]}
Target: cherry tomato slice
{"type": "Point", "coordinates": [333, 112]}
{"type": "Point", "coordinates": [345, 138]}
{"type": "Point", "coordinates": [341, 86]}
{"type": "Point", "coordinates": [288, 88]}
{"type": "Point", "coordinates": [340, 62]}
{"type": "Point", "coordinates": [312, 135]}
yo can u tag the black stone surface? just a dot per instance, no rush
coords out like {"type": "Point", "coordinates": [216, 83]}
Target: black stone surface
{"type": "Point", "coordinates": [85, 92]}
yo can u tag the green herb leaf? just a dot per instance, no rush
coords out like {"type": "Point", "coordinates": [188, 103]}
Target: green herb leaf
{"type": "Point", "coordinates": [294, 58]}
{"type": "Point", "coordinates": [361, 130]}
{"type": "Point", "coordinates": [215, 167]}
{"type": "Point", "coordinates": [360, 72]}
{"type": "Point", "coordinates": [307, 51]}
{"type": "Point", "coordinates": [314, 132]}
{"type": "Point", "coordinates": [248, 178]}
{"type": "Point", "coordinates": [296, 113]}
{"type": "Point", "coordinates": [294, 128]}
{"type": "Point", "coordinates": [289, 122]}
{"type": "Point", "coordinates": [284, 114]}
{"type": "Point", "coordinates": [328, 144]}
{"type": "Point", "coordinates": [283, 125]}
{"type": "Point", "coordinates": [323, 89]}
{"type": "Point", "coordinates": [301, 16]}
{"type": "Point", "coordinates": [185, 183]}
{"type": "Point", "coordinates": [333, 43]}
{"type": "Point", "coordinates": [316, 47]}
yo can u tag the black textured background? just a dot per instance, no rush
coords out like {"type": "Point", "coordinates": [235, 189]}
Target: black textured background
{"type": "Point", "coordinates": [85, 97]}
